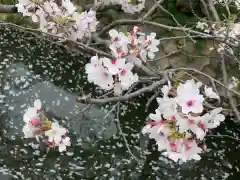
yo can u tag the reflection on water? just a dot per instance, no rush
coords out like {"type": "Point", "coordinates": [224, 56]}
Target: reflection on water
{"type": "Point", "coordinates": [31, 69]}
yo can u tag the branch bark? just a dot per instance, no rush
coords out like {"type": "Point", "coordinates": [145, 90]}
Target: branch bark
{"type": "Point", "coordinates": [122, 98]}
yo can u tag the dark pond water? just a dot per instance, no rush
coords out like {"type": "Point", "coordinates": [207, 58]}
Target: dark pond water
{"type": "Point", "coordinates": [33, 68]}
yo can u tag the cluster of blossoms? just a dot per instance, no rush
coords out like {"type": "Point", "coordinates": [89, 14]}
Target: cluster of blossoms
{"type": "Point", "coordinates": [128, 50]}
{"type": "Point", "coordinates": [35, 126]}
{"type": "Point", "coordinates": [232, 34]}
{"type": "Point", "coordinates": [127, 5]}
{"type": "Point", "coordinates": [61, 20]}
{"type": "Point", "coordinates": [179, 124]}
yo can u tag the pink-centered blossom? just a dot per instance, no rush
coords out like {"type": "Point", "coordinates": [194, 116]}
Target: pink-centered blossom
{"type": "Point", "coordinates": [183, 150]}
{"type": "Point", "coordinates": [188, 97]}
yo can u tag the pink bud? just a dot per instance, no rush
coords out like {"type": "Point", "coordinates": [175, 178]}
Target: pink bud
{"type": "Point", "coordinates": [114, 61]}
{"type": "Point", "coordinates": [202, 126]}
{"type": "Point", "coordinates": [34, 121]}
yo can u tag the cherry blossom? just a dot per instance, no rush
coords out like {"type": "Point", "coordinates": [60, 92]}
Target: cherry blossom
{"type": "Point", "coordinates": [168, 107]}
{"type": "Point", "coordinates": [111, 74]}
{"type": "Point", "coordinates": [184, 150]}
{"type": "Point", "coordinates": [32, 112]}
{"type": "Point", "coordinates": [210, 93]}
{"type": "Point", "coordinates": [188, 97]}
{"type": "Point", "coordinates": [56, 133]}
{"type": "Point", "coordinates": [56, 136]}
{"type": "Point", "coordinates": [32, 120]}
{"type": "Point", "coordinates": [68, 6]}
{"type": "Point", "coordinates": [35, 127]}
{"type": "Point", "coordinates": [152, 44]}
{"type": "Point", "coordinates": [63, 21]}
{"type": "Point", "coordinates": [177, 125]}
{"type": "Point", "coordinates": [214, 118]}
{"type": "Point", "coordinates": [119, 43]}
{"type": "Point", "coordinates": [135, 46]}
{"type": "Point", "coordinates": [63, 144]}
{"type": "Point", "coordinates": [177, 129]}
{"type": "Point", "coordinates": [165, 89]}
{"type": "Point", "coordinates": [114, 66]}
{"type": "Point", "coordinates": [29, 130]}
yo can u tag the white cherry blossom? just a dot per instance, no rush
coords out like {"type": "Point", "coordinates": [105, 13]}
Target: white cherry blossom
{"type": "Point", "coordinates": [184, 150]}
{"type": "Point", "coordinates": [210, 93]}
{"type": "Point", "coordinates": [68, 6]}
{"type": "Point", "coordinates": [159, 132]}
{"type": "Point", "coordinates": [188, 97]}
{"type": "Point", "coordinates": [152, 45]}
{"type": "Point", "coordinates": [29, 130]}
{"type": "Point", "coordinates": [98, 74]}
{"type": "Point", "coordinates": [168, 107]}
{"type": "Point", "coordinates": [56, 133]}
{"type": "Point", "coordinates": [119, 43]}
{"type": "Point", "coordinates": [214, 118]}
{"type": "Point", "coordinates": [126, 79]}
{"type": "Point", "coordinates": [37, 104]}
{"type": "Point", "coordinates": [63, 144]}
{"type": "Point", "coordinates": [184, 128]}
{"type": "Point", "coordinates": [165, 89]}
{"type": "Point", "coordinates": [29, 114]}
{"type": "Point", "coordinates": [114, 66]}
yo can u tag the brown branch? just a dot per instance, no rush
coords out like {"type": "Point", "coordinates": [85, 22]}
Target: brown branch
{"type": "Point", "coordinates": [228, 93]}
{"type": "Point", "coordinates": [170, 28]}
{"type": "Point", "coordinates": [124, 97]}
{"type": "Point", "coordinates": [8, 8]}
{"type": "Point", "coordinates": [206, 75]}
{"type": "Point", "coordinates": [213, 10]}
{"type": "Point", "coordinates": [151, 10]}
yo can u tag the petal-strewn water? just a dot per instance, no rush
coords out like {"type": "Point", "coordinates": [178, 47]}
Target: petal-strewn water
{"type": "Point", "coordinates": [33, 68]}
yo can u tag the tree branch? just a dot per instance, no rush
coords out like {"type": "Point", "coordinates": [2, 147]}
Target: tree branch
{"type": "Point", "coordinates": [124, 97]}
{"type": "Point", "coordinates": [142, 22]}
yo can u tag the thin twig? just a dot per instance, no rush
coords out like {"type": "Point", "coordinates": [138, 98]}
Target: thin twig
{"type": "Point", "coordinates": [156, 94]}
{"type": "Point", "coordinates": [175, 20]}
{"type": "Point", "coordinates": [151, 10]}
{"type": "Point", "coordinates": [170, 28]}
{"type": "Point", "coordinates": [79, 113]}
{"type": "Point", "coordinates": [123, 136]}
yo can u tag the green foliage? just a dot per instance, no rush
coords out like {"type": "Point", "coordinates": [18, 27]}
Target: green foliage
{"type": "Point", "coordinates": [179, 16]}
{"type": "Point", "coordinates": [171, 6]}
{"type": "Point", "coordinates": [79, 9]}
{"type": "Point", "coordinates": [199, 46]}
{"type": "Point", "coordinates": [8, 1]}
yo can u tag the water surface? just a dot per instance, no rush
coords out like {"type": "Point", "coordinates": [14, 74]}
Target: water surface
{"type": "Point", "coordinates": [33, 68]}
